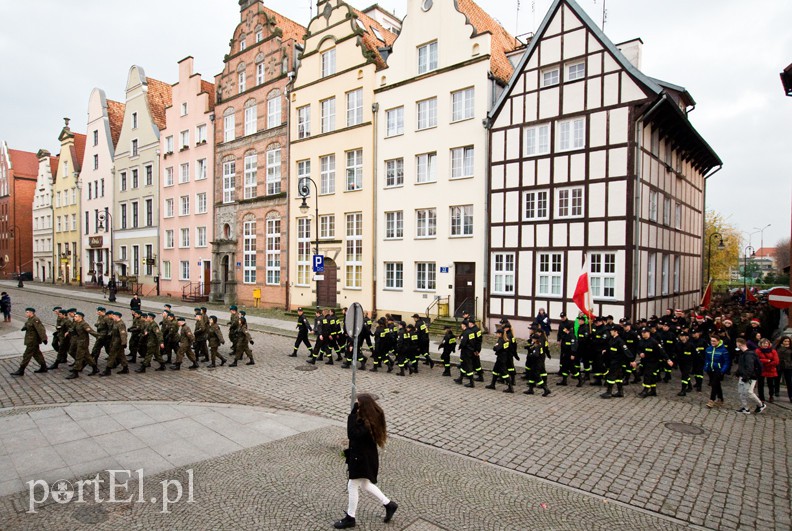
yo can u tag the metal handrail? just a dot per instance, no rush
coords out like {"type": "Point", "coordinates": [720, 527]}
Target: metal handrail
{"type": "Point", "coordinates": [436, 303]}
{"type": "Point", "coordinates": [462, 304]}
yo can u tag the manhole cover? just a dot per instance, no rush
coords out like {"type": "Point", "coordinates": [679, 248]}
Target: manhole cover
{"type": "Point", "coordinates": [306, 367]}
{"type": "Point", "coordinates": [687, 429]}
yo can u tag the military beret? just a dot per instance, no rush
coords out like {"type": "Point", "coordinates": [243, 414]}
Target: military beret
{"type": "Point", "coordinates": [80, 314]}
{"type": "Point", "coordinates": [71, 310]}
{"type": "Point", "coordinates": [29, 309]}
{"type": "Point", "coordinates": [243, 312]}
{"type": "Point", "coordinates": [117, 314]}
{"type": "Point", "coordinates": [180, 319]}
{"type": "Point", "coordinates": [168, 306]}
{"type": "Point", "coordinates": [203, 308]}
{"type": "Point", "coordinates": [56, 308]}
{"type": "Point", "coordinates": [101, 309]}
{"type": "Point", "coordinates": [152, 315]}
{"type": "Point", "coordinates": [232, 307]}
{"type": "Point", "coordinates": [196, 310]}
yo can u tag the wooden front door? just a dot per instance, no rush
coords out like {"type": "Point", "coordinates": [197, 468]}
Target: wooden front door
{"type": "Point", "coordinates": [206, 277]}
{"type": "Point", "coordinates": [326, 289]}
{"type": "Point", "coordinates": [464, 288]}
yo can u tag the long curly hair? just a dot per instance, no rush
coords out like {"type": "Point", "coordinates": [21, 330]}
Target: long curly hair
{"type": "Point", "coordinates": [373, 418]}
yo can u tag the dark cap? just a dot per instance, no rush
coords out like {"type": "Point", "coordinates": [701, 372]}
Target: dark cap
{"type": "Point", "coordinates": [80, 314]}
{"type": "Point", "coordinates": [232, 307]}
{"type": "Point", "coordinates": [56, 308]}
{"type": "Point", "coordinates": [168, 306]}
{"type": "Point", "coordinates": [645, 329]}
{"type": "Point", "coordinates": [299, 309]}
{"type": "Point", "coordinates": [416, 316]}
{"type": "Point", "coordinates": [243, 312]}
{"type": "Point", "coordinates": [562, 314]}
{"type": "Point", "coordinates": [29, 309]}
{"type": "Point", "coordinates": [101, 309]}
{"type": "Point", "coordinates": [180, 320]}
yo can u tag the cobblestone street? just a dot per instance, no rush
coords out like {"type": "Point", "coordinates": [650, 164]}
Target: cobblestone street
{"type": "Point", "coordinates": [460, 458]}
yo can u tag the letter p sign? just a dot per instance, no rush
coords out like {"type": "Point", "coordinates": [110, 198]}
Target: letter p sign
{"type": "Point", "coordinates": [318, 263]}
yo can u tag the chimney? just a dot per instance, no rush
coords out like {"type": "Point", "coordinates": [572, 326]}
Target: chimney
{"type": "Point", "coordinates": [632, 51]}
{"type": "Point", "coordinates": [244, 4]}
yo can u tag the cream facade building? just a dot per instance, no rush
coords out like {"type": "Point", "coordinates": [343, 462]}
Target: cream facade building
{"type": "Point", "coordinates": [447, 67]}
{"type": "Point", "coordinates": [332, 125]}
{"type": "Point", "coordinates": [66, 206]}
{"type": "Point", "coordinates": [135, 213]}
{"type": "Point", "coordinates": [42, 217]}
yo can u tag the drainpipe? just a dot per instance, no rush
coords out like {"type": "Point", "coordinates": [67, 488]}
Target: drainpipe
{"type": "Point", "coordinates": [291, 75]}
{"type": "Point", "coordinates": [374, 124]}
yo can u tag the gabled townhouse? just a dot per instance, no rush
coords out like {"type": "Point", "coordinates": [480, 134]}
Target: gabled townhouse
{"type": "Point", "coordinates": [448, 66]}
{"type": "Point", "coordinates": [187, 187]}
{"type": "Point", "coordinates": [593, 162]}
{"type": "Point", "coordinates": [18, 175]}
{"type": "Point", "coordinates": [105, 118]}
{"type": "Point", "coordinates": [251, 160]}
{"type": "Point", "coordinates": [66, 206]}
{"type": "Point", "coordinates": [135, 213]}
{"type": "Point", "coordinates": [333, 116]}
{"type": "Point", "coordinates": [42, 218]}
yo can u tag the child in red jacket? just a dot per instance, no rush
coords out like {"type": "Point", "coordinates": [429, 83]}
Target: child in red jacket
{"type": "Point", "coordinates": [769, 358]}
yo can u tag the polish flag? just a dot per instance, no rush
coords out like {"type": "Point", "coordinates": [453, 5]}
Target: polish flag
{"type": "Point", "coordinates": [707, 298]}
{"type": "Point", "coordinates": [582, 291]}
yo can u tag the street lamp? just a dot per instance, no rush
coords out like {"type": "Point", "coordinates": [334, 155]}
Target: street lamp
{"type": "Point", "coordinates": [745, 270]}
{"type": "Point", "coordinates": [304, 190]}
{"type": "Point", "coordinates": [17, 235]}
{"type": "Point", "coordinates": [721, 246]}
{"type": "Point", "coordinates": [111, 285]}
{"type": "Point", "coordinates": [761, 237]}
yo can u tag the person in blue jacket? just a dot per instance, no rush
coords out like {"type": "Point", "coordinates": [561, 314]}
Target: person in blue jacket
{"type": "Point", "coordinates": [716, 364]}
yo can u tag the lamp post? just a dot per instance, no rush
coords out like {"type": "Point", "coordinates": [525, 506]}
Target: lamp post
{"type": "Point", "coordinates": [111, 285]}
{"type": "Point", "coordinates": [721, 246]}
{"type": "Point", "coordinates": [304, 190]}
{"type": "Point", "coordinates": [17, 235]}
{"type": "Point", "coordinates": [745, 269]}
{"type": "Point", "coordinates": [761, 234]}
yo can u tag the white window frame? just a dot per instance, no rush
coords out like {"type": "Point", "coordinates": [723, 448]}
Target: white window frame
{"type": "Point", "coordinates": [569, 202]}
{"type": "Point", "coordinates": [427, 57]}
{"type": "Point", "coordinates": [241, 80]}
{"type": "Point", "coordinates": [667, 211]}
{"type": "Point", "coordinates": [251, 119]}
{"type": "Point", "coordinates": [425, 223]}
{"type": "Point", "coordinates": [602, 275]}
{"type": "Point", "coordinates": [426, 168]}
{"type": "Point", "coordinates": [677, 273]}
{"type": "Point", "coordinates": [327, 164]}
{"type": "Point", "coordinates": [328, 62]}
{"type": "Point", "coordinates": [184, 139]}
{"type": "Point", "coordinates": [354, 170]}
{"type": "Point", "coordinates": [184, 270]}
{"type": "Point", "coordinates": [536, 205]}
{"type": "Point", "coordinates": [575, 71]}
{"type": "Point", "coordinates": [394, 276]}
{"type": "Point", "coordinates": [425, 276]}
{"type": "Point", "coordinates": [461, 217]}
{"type": "Point", "coordinates": [426, 114]}
{"type": "Point", "coordinates": [166, 270]}
{"type": "Point", "coordinates": [200, 134]}
{"type": "Point", "coordinates": [653, 199]}
{"type": "Point", "coordinates": [184, 172]}
{"type": "Point", "coordinates": [201, 205]}
{"type": "Point", "coordinates": [463, 104]}
{"type": "Point", "coordinates": [184, 238]}
{"type": "Point", "coordinates": [354, 103]}
{"type": "Point", "coordinates": [651, 271]}
{"type": "Point", "coordinates": [394, 225]}
{"type": "Point", "coordinates": [250, 176]}
{"type": "Point", "coordinates": [229, 126]}
{"type": "Point", "coordinates": [550, 274]}
{"type": "Point", "coordinates": [274, 170]}
{"type": "Point", "coordinates": [665, 274]}
{"type": "Point", "coordinates": [394, 173]}
{"type": "Point", "coordinates": [274, 109]}
{"type": "Point", "coordinates": [551, 76]}
{"type": "Point", "coordinates": [353, 263]}
{"type": "Point", "coordinates": [571, 134]}
{"type": "Point", "coordinates": [169, 144]}
{"type": "Point", "coordinates": [304, 251]}
{"type": "Point", "coordinates": [168, 176]}
{"type": "Point", "coordinates": [537, 140]}
{"type": "Point", "coordinates": [328, 115]}
{"type": "Point", "coordinates": [169, 240]}
{"type": "Point", "coordinates": [327, 226]}
{"type": "Point", "coordinates": [304, 121]}
{"type": "Point", "coordinates": [503, 273]}
{"type": "Point", "coordinates": [249, 252]}
{"type": "Point", "coordinates": [260, 73]}
{"type": "Point", "coordinates": [201, 170]}
{"type": "Point", "coordinates": [229, 181]}
{"type": "Point", "coordinates": [184, 205]}
{"type": "Point", "coordinates": [273, 251]}
{"type": "Point", "coordinates": [394, 122]}
{"type": "Point", "coordinates": [462, 162]}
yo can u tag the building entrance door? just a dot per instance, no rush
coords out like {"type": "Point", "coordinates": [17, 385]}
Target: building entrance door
{"type": "Point", "coordinates": [326, 289]}
{"type": "Point", "coordinates": [464, 288]}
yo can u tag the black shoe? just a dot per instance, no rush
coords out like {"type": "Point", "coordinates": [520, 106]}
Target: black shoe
{"type": "Point", "coordinates": [446, 372]}
{"type": "Point", "coordinates": [222, 361]}
{"type": "Point", "coordinates": [580, 382]}
{"type": "Point", "coordinates": [293, 355]}
{"type": "Point", "coordinates": [390, 367]}
{"type": "Point", "coordinates": [345, 522]}
{"type": "Point", "coordinates": [41, 369]}
{"type": "Point", "coordinates": [373, 369]}
{"type": "Point", "coordinates": [528, 391]}
{"type": "Point", "coordinates": [251, 362]}
{"type": "Point", "coordinates": [176, 367]}
{"type": "Point", "coordinates": [53, 366]}
{"type": "Point", "coordinates": [194, 366]}
{"type": "Point", "coordinates": [329, 361]}
{"type": "Point", "coordinates": [72, 375]}
{"type": "Point", "coordinates": [106, 372]}
{"type": "Point", "coordinates": [509, 389]}
{"type": "Point", "coordinates": [562, 382]}
{"type": "Point", "coordinates": [644, 393]}
{"type": "Point", "coordinates": [546, 391]}
{"type": "Point", "coordinates": [470, 384]}
{"type": "Point", "coordinates": [312, 361]}
{"type": "Point", "coordinates": [161, 367]}
{"type": "Point", "coordinates": [94, 371]}
{"type": "Point", "coordinates": [141, 369]}
{"type": "Point", "coordinates": [606, 394]}
{"type": "Point", "coordinates": [390, 509]}
{"type": "Point", "coordinates": [480, 377]}
{"type": "Point", "coordinates": [458, 380]}
{"type": "Point", "coordinates": [618, 394]}
{"type": "Point", "coordinates": [212, 365]}
{"type": "Point", "coordinates": [490, 386]}
{"type": "Point", "coordinates": [18, 372]}
{"type": "Point", "coordinates": [233, 364]}
{"type": "Point", "coordinates": [124, 370]}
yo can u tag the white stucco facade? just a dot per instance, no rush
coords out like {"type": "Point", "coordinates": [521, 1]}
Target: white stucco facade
{"type": "Point", "coordinates": [42, 218]}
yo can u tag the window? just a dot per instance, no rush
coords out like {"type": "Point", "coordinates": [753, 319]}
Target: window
{"type": "Point", "coordinates": [135, 259]}
{"type": "Point", "coordinates": [273, 111]}
{"type": "Point", "coordinates": [134, 207]}
{"type": "Point", "coordinates": [602, 275]}
{"type": "Point", "coordinates": [184, 173]}
{"type": "Point", "coordinates": [394, 225]}
{"type": "Point", "coordinates": [327, 227]}
{"type": "Point", "coordinates": [184, 205]}
{"type": "Point", "coordinates": [229, 124]}
{"type": "Point", "coordinates": [249, 252]}
{"type": "Point", "coordinates": [166, 270]}
{"type": "Point", "coordinates": [135, 148]}
{"type": "Point", "coordinates": [229, 181]}
{"type": "Point", "coordinates": [427, 113]}
{"type": "Point", "coordinates": [570, 202]}
{"type": "Point", "coordinates": [149, 169]}
{"type": "Point", "coordinates": [96, 137]}
{"type": "Point", "coordinates": [462, 104]}
{"type": "Point", "coordinates": [260, 74]}
{"type": "Point", "coordinates": [425, 276]}
{"type": "Point", "coordinates": [184, 109]}
{"type": "Point", "coordinates": [576, 71]}
{"type": "Point", "coordinates": [354, 250]}
{"type": "Point", "coordinates": [149, 212]}
{"type": "Point", "coordinates": [259, 36]}
{"type": "Point", "coordinates": [572, 134]}
{"type": "Point", "coordinates": [462, 162]}
{"type": "Point", "coordinates": [678, 216]}
{"type": "Point", "coordinates": [665, 273]}
{"type": "Point", "coordinates": [134, 120]}
{"type": "Point", "coordinates": [394, 275]}
{"type": "Point", "coordinates": [168, 208]}
{"type": "Point", "coordinates": [58, 222]}
{"type": "Point", "coordinates": [394, 172]}
{"type": "Point", "coordinates": [304, 121]}
{"type": "Point", "coordinates": [329, 63]}
{"type": "Point", "coordinates": [184, 270]}
{"type": "Point", "coordinates": [241, 79]}
{"type": "Point", "coordinates": [666, 211]}
{"type": "Point", "coordinates": [550, 274]}
{"type": "Point", "coordinates": [426, 168]}
{"type": "Point", "coordinates": [354, 101]}
{"type": "Point", "coordinates": [123, 249]}
{"type": "Point", "coordinates": [169, 144]}
{"type": "Point", "coordinates": [273, 251]}
{"type": "Point", "coordinates": [537, 140]}
{"type": "Point", "coordinates": [677, 263]}
{"type": "Point", "coordinates": [74, 222]}
{"type": "Point", "coordinates": [250, 178]}
{"type": "Point", "coordinates": [200, 203]}
{"type": "Point", "coordinates": [426, 223]}
{"type": "Point", "coordinates": [123, 216]}
{"type": "Point", "coordinates": [184, 139]}
{"type": "Point", "coordinates": [96, 162]}
{"type": "Point", "coordinates": [303, 251]}
{"type": "Point", "coordinates": [200, 169]}
{"type": "Point", "coordinates": [328, 115]}
{"type": "Point", "coordinates": [169, 176]}
{"type": "Point", "coordinates": [184, 237]}
{"type": "Point", "coordinates": [462, 220]}
{"type": "Point", "coordinates": [200, 134]}
{"type": "Point", "coordinates": [394, 120]}
{"type": "Point", "coordinates": [169, 239]}
{"type": "Point", "coordinates": [327, 174]}
{"type": "Point", "coordinates": [550, 77]}
{"type": "Point", "coordinates": [273, 171]}
{"type": "Point", "coordinates": [427, 57]}
{"type": "Point", "coordinates": [536, 205]}
{"type": "Point", "coordinates": [652, 205]}
{"type": "Point", "coordinates": [354, 170]}
{"type": "Point", "coordinates": [250, 118]}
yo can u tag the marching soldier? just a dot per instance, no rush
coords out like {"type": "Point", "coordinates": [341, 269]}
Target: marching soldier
{"type": "Point", "coordinates": [35, 334]}
{"type": "Point", "coordinates": [243, 342]}
{"type": "Point", "coordinates": [503, 355]}
{"type": "Point", "coordinates": [404, 347]}
{"type": "Point", "coordinates": [215, 340]}
{"type": "Point", "coordinates": [476, 360]}
{"type": "Point", "coordinates": [80, 340]}
{"type": "Point", "coordinates": [380, 347]}
{"type": "Point", "coordinates": [537, 374]}
{"type": "Point", "coordinates": [570, 362]}
{"type": "Point", "coordinates": [135, 335]}
{"type": "Point", "coordinates": [201, 327]}
{"type": "Point", "coordinates": [447, 346]}
{"type": "Point", "coordinates": [118, 341]}
{"type": "Point", "coordinates": [103, 324]}
{"type": "Point", "coordinates": [233, 326]}
{"type": "Point", "coordinates": [322, 331]}
{"type": "Point", "coordinates": [62, 326]}
{"type": "Point", "coordinates": [186, 339]}
{"type": "Point", "coordinates": [152, 340]}
{"type": "Point", "coordinates": [303, 328]}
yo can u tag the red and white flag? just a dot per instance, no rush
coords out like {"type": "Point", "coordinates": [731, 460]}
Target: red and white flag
{"type": "Point", "coordinates": [582, 291]}
{"type": "Point", "coordinates": [707, 298]}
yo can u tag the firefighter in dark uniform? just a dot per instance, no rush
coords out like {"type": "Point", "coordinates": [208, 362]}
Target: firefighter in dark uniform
{"type": "Point", "coordinates": [584, 344]}
{"type": "Point", "coordinates": [652, 358]}
{"type": "Point", "coordinates": [537, 374]}
{"type": "Point", "coordinates": [403, 347]}
{"type": "Point", "coordinates": [447, 346]}
{"type": "Point", "coordinates": [697, 363]}
{"type": "Point", "coordinates": [337, 342]}
{"type": "Point", "coordinates": [510, 371]}
{"type": "Point", "coordinates": [667, 338]}
{"type": "Point", "coordinates": [599, 342]}
{"type": "Point", "coordinates": [467, 351]}
{"type": "Point", "coordinates": [630, 337]}
{"type": "Point", "coordinates": [380, 344]}
{"type": "Point", "coordinates": [615, 356]}
{"type": "Point", "coordinates": [570, 364]}
{"type": "Point", "coordinates": [303, 329]}
{"type": "Point", "coordinates": [350, 351]}
{"type": "Point", "coordinates": [503, 354]}
{"type": "Point", "coordinates": [321, 331]}
{"type": "Point", "coordinates": [684, 356]}
{"type": "Point", "coordinates": [368, 333]}
{"type": "Point", "coordinates": [35, 334]}
{"type": "Point", "coordinates": [423, 340]}
{"type": "Point", "coordinates": [477, 369]}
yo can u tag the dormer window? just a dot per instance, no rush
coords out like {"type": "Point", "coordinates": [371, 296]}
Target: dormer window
{"type": "Point", "coordinates": [329, 63]}
{"type": "Point", "coordinates": [427, 57]}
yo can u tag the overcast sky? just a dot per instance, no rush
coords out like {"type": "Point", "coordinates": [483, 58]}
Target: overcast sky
{"type": "Point", "coordinates": [727, 53]}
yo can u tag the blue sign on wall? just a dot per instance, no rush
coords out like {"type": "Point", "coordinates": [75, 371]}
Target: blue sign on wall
{"type": "Point", "coordinates": [444, 270]}
{"type": "Point", "coordinates": [318, 263]}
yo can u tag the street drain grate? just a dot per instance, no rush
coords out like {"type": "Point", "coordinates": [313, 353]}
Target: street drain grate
{"type": "Point", "coordinates": [306, 367]}
{"type": "Point", "coordinates": [686, 429]}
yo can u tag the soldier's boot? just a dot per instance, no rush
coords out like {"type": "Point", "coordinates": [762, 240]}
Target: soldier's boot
{"type": "Point", "coordinates": [530, 390]}
{"type": "Point", "coordinates": [667, 377]}
{"type": "Point", "coordinates": [689, 386]}
{"type": "Point", "coordinates": [124, 370]}
{"type": "Point", "coordinates": [293, 354]}
{"type": "Point", "coordinates": [580, 382]}
{"type": "Point", "coordinates": [586, 376]}
{"type": "Point", "coordinates": [41, 369]}
{"type": "Point", "coordinates": [18, 372]}
{"type": "Point", "coordinates": [94, 371]}
{"type": "Point", "coordinates": [698, 385]}
{"type": "Point", "coordinates": [619, 391]}
{"type": "Point", "coordinates": [311, 360]}
{"type": "Point", "coordinates": [339, 357]}
{"type": "Point", "coordinates": [168, 360]}
{"type": "Point", "coordinates": [176, 366]}
{"type": "Point", "coordinates": [106, 372]}
{"type": "Point", "coordinates": [470, 383]}
{"type": "Point", "coordinates": [563, 381]}
{"type": "Point", "coordinates": [222, 361]}
{"type": "Point", "coordinates": [546, 390]}
{"type": "Point", "coordinates": [636, 379]}
{"type": "Point", "coordinates": [162, 367]}
{"type": "Point", "coordinates": [447, 371]}
{"type": "Point", "coordinates": [683, 391]}
{"type": "Point", "coordinates": [329, 361]}
{"type": "Point", "coordinates": [431, 361]}
{"type": "Point", "coordinates": [141, 369]}
{"type": "Point", "coordinates": [196, 366]}
{"type": "Point", "coordinates": [492, 385]}
{"type": "Point", "coordinates": [374, 367]}
{"type": "Point", "coordinates": [251, 362]}
{"type": "Point", "coordinates": [72, 375]}
{"type": "Point", "coordinates": [54, 365]}
{"type": "Point", "coordinates": [608, 393]}
{"type": "Point", "coordinates": [401, 371]}
{"type": "Point", "coordinates": [346, 364]}
{"type": "Point", "coordinates": [509, 389]}
{"type": "Point", "coordinates": [233, 363]}
{"type": "Point", "coordinates": [644, 393]}
{"type": "Point", "coordinates": [480, 376]}
{"type": "Point", "coordinates": [458, 380]}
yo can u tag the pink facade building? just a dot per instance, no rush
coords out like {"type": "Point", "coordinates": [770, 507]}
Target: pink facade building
{"type": "Point", "coordinates": [187, 187]}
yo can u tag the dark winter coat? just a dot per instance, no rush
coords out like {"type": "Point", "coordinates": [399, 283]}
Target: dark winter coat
{"type": "Point", "coordinates": [362, 456]}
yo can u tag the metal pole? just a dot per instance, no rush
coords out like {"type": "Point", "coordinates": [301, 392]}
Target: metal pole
{"type": "Point", "coordinates": [316, 226]}
{"type": "Point", "coordinates": [354, 359]}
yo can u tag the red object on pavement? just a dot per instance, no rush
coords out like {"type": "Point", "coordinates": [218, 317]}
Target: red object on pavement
{"type": "Point", "coordinates": [780, 298]}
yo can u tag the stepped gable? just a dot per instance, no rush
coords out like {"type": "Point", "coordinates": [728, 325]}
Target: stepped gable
{"type": "Point", "coordinates": [371, 41]}
{"type": "Point", "coordinates": [115, 115]}
{"type": "Point", "coordinates": [290, 28]}
{"type": "Point", "coordinates": [209, 88]}
{"type": "Point", "coordinates": [24, 163]}
{"type": "Point", "coordinates": [502, 41]}
{"type": "Point", "coordinates": [159, 97]}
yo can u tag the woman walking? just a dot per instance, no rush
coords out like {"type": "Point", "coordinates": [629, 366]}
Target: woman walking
{"type": "Point", "coordinates": [366, 431]}
{"type": "Point", "coordinates": [769, 359]}
{"type": "Point", "coordinates": [784, 349]}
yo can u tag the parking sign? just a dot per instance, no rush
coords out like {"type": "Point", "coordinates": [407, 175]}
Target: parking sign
{"type": "Point", "coordinates": [318, 263]}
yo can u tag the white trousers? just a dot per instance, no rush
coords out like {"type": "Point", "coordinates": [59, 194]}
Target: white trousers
{"type": "Point", "coordinates": [746, 393]}
{"type": "Point", "coordinates": [354, 486]}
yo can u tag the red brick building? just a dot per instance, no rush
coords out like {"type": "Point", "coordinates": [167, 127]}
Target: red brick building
{"type": "Point", "coordinates": [18, 174]}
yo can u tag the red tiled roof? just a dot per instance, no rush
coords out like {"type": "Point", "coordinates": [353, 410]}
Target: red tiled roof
{"type": "Point", "coordinates": [290, 28]}
{"type": "Point", "coordinates": [159, 97]}
{"type": "Point", "coordinates": [115, 115]}
{"type": "Point", "coordinates": [24, 163]}
{"type": "Point", "coordinates": [502, 41]}
{"type": "Point", "coordinates": [766, 252]}
{"type": "Point", "coordinates": [370, 41]}
{"type": "Point", "coordinates": [79, 151]}
{"type": "Point", "coordinates": [209, 88]}
{"type": "Point", "coordinates": [54, 161]}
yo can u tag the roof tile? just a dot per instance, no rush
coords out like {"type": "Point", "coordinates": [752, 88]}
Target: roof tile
{"type": "Point", "coordinates": [79, 151]}
{"type": "Point", "coordinates": [502, 41]}
{"type": "Point", "coordinates": [290, 28]}
{"type": "Point", "coordinates": [115, 115]}
{"type": "Point", "coordinates": [209, 88]}
{"type": "Point", "coordinates": [370, 41]}
{"type": "Point", "coordinates": [24, 163]}
{"type": "Point", "coordinates": [54, 161]}
{"type": "Point", "coordinates": [159, 97]}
